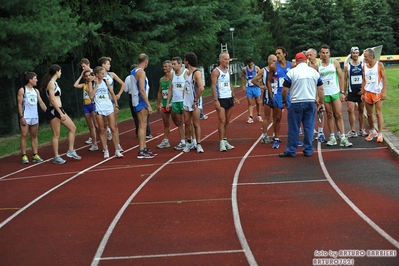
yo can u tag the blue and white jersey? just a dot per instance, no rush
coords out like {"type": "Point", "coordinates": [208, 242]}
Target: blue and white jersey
{"type": "Point", "coordinates": [280, 74]}
{"type": "Point", "coordinates": [355, 76]}
{"type": "Point", "coordinates": [109, 78]}
{"type": "Point", "coordinates": [250, 75]}
{"type": "Point", "coordinates": [223, 88]}
{"type": "Point", "coordinates": [136, 96]}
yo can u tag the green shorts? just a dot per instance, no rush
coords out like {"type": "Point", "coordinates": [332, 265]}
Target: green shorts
{"type": "Point", "coordinates": [177, 108]}
{"type": "Point", "coordinates": [331, 98]}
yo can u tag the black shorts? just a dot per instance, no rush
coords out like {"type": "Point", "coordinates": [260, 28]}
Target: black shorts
{"type": "Point", "coordinates": [354, 97]}
{"type": "Point", "coordinates": [226, 103]}
{"type": "Point", "coordinates": [51, 113]}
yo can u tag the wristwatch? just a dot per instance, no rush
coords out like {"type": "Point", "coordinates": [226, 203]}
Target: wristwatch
{"type": "Point", "coordinates": [343, 92]}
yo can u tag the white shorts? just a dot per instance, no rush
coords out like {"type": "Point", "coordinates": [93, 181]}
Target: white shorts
{"type": "Point", "coordinates": [105, 112]}
{"type": "Point", "coordinates": [32, 121]}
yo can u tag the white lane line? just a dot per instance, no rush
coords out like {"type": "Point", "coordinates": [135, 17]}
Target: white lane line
{"type": "Point", "coordinates": [172, 255]}
{"type": "Point", "coordinates": [48, 192]}
{"type": "Point", "coordinates": [351, 204]}
{"type": "Point", "coordinates": [107, 235]}
{"type": "Point", "coordinates": [282, 182]}
{"type": "Point", "coordinates": [236, 214]}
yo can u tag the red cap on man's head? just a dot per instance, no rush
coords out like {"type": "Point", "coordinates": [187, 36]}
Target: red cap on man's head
{"type": "Point", "coordinates": [300, 57]}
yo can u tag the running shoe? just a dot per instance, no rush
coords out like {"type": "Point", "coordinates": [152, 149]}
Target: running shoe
{"type": "Point", "coordinates": [260, 120]}
{"type": "Point", "coordinates": [300, 143]}
{"type": "Point", "coordinates": [120, 148]}
{"type": "Point", "coordinates": [118, 154]}
{"type": "Point", "coordinates": [380, 138]}
{"type": "Point", "coordinates": [93, 147]}
{"type": "Point", "coordinates": [36, 159]}
{"type": "Point", "coordinates": [250, 120]}
{"type": "Point", "coordinates": [25, 159]}
{"type": "Point", "coordinates": [144, 155]}
{"type": "Point", "coordinates": [352, 134]}
{"type": "Point", "coordinates": [58, 160]}
{"type": "Point", "coordinates": [89, 141]}
{"type": "Point", "coordinates": [204, 117]}
{"type": "Point", "coordinates": [106, 154]}
{"type": "Point", "coordinates": [73, 154]}
{"type": "Point", "coordinates": [149, 136]}
{"type": "Point", "coordinates": [363, 133]}
{"type": "Point", "coordinates": [276, 144]}
{"type": "Point", "coordinates": [148, 151]}
{"type": "Point", "coordinates": [189, 146]}
{"type": "Point", "coordinates": [163, 144]}
{"type": "Point", "coordinates": [199, 148]}
{"type": "Point", "coordinates": [332, 141]}
{"type": "Point", "coordinates": [228, 145]}
{"type": "Point", "coordinates": [222, 146]}
{"type": "Point", "coordinates": [345, 143]}
{"type": "Point", "coordinates": [315, 132]}
{"type": "Point", "coordinates": [180, 147]}
{"type": "Point", "coordinates": [321, 138]}
{"type": "Point", "coordinates": [371, 136]}
{"type": "Point", "coordinates": [266, 139]}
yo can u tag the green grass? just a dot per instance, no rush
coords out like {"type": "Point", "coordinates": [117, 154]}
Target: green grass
{"type": "Point", "coordinates": [11, 144]}
{"type": "Point", "coordinates": [390, 107]}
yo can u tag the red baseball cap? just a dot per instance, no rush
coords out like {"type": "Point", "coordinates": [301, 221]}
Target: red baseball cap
{"type": "Point", "coordinates": [300, 56]}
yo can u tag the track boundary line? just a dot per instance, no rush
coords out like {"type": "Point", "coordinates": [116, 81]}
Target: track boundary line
{"type": "Point", "coordinates": [107, 235]}
{"type": "Point", "coordinates": [370, 222]}
{"type": "Point", "coordinates": [172, 255]}
{"type": "Point", "coordinates": [282, 182]}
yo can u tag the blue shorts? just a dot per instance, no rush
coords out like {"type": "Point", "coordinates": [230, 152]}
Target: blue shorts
{"type": "Point", "coordinates": [253, 92]}
{"type": "Point", "coordinates": [140, 106]}
{"type": "Point", "coordinates": [278, 101]}
{"type": "Point", "coordinates": [89, 108]}
{"type": "Point", "coordinates": [266, 100]}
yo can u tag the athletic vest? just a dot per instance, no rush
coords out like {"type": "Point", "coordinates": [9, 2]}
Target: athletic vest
{"type": "Point", "coordinates": [190, 89]}
{"type": "Point", "coordinates": [109, 78]}
{"type": "Point", "coordinates": [164, 90]}
{"type": "Point", "coordinates": [102, 99]}
{"type": "Point", "coordinates": [86, 97]}
{"type": "Point", "coordinates": [329, 77]}
{"type": "Point", "coordinates": [250, 75]}
{"type": "Point", "coordinates": [279, 76]}
{"type": "Point", "coordinates": [178, 82]}
{"type": "Point", "coordinates": [373, 79]}
{"type": "Point", "coordinates": [29, 103]}
{"type": "Point", "coordinates": [355, 73]}
{"type": "Point", "coordinates": [264, 80]}
{"type": "Point", "coordinates": [223, 88]}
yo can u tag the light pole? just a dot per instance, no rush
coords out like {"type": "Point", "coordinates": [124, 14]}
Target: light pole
{"type": "Point", "coordinates": [232, 38]}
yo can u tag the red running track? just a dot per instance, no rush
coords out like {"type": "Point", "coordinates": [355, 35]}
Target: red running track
{"type": "Point", "coordinates": [245, 206]}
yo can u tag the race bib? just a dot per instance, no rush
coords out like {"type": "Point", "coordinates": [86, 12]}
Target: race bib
{"type": "Point", "coordinates": [355, 80]}
{"type": "Point", "coordinates": [371, 79]}
{"type": "Point", "coordinates": [329, 83]}
{"type": "Point", "coordinates": [165, 94]}
{"type": "Point", "coordinates": [178, 86]}
{"type": "Point", "coordinates": [224, 86]}
{"type": "Point", "coordinates": [101, 98]}
{"type": "Point", "coordinates": [32, 100]}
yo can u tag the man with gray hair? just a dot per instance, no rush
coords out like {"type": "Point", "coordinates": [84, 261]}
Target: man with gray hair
{"type": "Point", "coordinates": [374, 91]}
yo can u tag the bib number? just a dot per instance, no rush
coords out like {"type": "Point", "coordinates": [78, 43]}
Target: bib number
{"type": "Point", "coordinates": [371, 79]}
{"type": "Point", "coordinates": [355, 80]}
{"type": "Point", "coordinates": [32, 100]}
{"type": "Point", "coordinates": [178, 86]}
{"type": "Point", "coordinates": [224, 86]}
{"type": "Point", "coordinates": [329, 83]}
{"type": "Point", "coordinates": [165, 94]}
{"type": "Point", "coordinates": [100, 98]}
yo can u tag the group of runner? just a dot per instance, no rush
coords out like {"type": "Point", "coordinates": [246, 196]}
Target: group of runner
{"type": "Point", "coordinates": [179, 97]}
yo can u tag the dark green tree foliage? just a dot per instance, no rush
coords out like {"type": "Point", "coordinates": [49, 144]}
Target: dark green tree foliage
{"type": "Point", "coordinates": [276, 24]}
{"type": "Point", "coordinates": [33, 32]}
{"type": "Point", "coordinates": [394, 14]}
{"type": "Point", "coordinates": [375, 26]}
{"type": "Point", "coordinates": [313, 23]}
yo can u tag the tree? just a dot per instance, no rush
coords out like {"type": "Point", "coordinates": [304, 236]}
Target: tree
{"type": "Point", "coordinates": [32, 33]}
